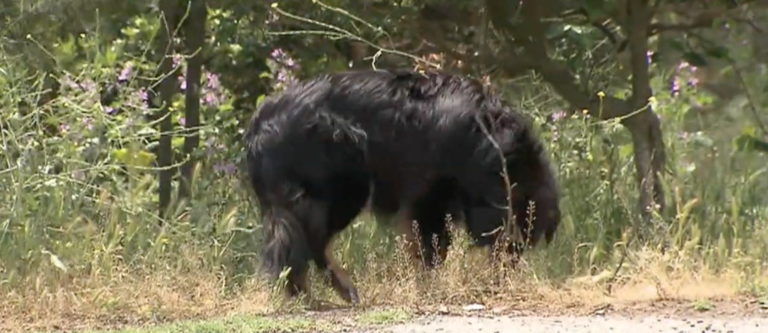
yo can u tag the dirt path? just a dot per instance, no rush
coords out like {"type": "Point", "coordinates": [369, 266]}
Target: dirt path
{"type": "Point", "coordinates": [623, 324]}
{"type": "Point", "coordinates": [737, 316]}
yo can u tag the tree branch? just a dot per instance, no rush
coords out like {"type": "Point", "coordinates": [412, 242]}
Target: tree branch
{"type": "Point", "coordinates": [704, 19]}
{"type": "Point", "coordinates": [529, 36]}
{"type": "Point", "coordinates": [701, 20]}
{"type": "Point", "coordinates": [643, 124]}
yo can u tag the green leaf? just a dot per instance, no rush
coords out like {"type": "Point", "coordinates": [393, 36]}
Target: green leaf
{"type": "Point", "coordinates": [749, 131]}
{"type": "Point", "coordinates": [55, 261]}
{"type": "Point", "coordinates": [138, 158]}
{"type": "Point", "coordinates": [178, 142]}
{"type": "Point", "coordinates": [226, 107]}
{"type": "Point", "coordinates": [260, 99]}
{"type": "Point", "coordinates": [130, 31]}
{"type": "Point", "coordinates": [625, 151]}
{"type": "Point", "coordinates": [746, 142]}
{"type": "Point", "coordinates": [143, 158]}
{"type": "Point", "coordinates": [120, 154]}
{"type": "Point", "coordinates": [110, 56]}
{"type": "Point", "coordinates": [235, 48]}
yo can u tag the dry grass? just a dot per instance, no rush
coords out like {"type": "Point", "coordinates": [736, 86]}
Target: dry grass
{"type": "Point", "coordinates": [140, 298]}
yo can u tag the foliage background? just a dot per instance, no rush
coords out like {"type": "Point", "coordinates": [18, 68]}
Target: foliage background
{"type": "Point", "coordinates": [78, 170]}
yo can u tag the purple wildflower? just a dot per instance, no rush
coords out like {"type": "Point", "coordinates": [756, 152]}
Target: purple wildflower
{"type": "Point", "coordinates": [290, 63]}
{"type": "Point", "coordinates": [277, 54]}
{"type": "Point", "coordinates": [687, 69]}
{"type": "Point", "coordinates": [125, 74]}
{"type": "Point", "coordinates": [176, 61]}
{"type": "Point", "coordinates": [211, 99]}
{"type": "Point", "coordinates": [110, 110]}
{"type": "Point", "coordinates": [675, 87]}
{"type": "Point", "coordinates": [88, 123]}
{"type": "Point", "coordinates": [693, 82]}
{"type": "Point", "coordinates": [557, 116]}
{"type": "Point", "coordinates": [142, 94]}
{"type": "Point", "coordinates": [282, 76]}
{"type": "Point", "coordinates": [212, 147]}
{"type": "Point", "coordinates": [212, 81]}
{"type": "Point", "coordinates": [226, 168]}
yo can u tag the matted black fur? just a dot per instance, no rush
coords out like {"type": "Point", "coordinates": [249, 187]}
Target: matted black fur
{"type": "Point", "coordinates": [409, 142]}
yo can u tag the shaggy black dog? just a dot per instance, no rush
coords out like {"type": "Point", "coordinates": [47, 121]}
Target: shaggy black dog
{"type": "Point", "coordinates": [414, 146]}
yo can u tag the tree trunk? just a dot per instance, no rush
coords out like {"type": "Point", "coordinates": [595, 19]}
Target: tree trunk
{"type": "Point", "coordinates": [195, 37]}
{"type": "Point", "coordinates": [167, 87]}
{"type": "Point", "coordinates": [644, 126]}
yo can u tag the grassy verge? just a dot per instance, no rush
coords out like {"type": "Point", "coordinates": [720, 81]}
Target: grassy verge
{"type": "Point", "coordinates": [255, 324]}
{"type": "Point", "coordinates": [178, 298]}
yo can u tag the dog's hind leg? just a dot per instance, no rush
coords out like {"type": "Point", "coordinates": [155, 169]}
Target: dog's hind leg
{"type": "Point", "coordinates": [337, 276]}
{"type": "Point", "coordinates": [428, 245]}
{"type": "Point", "coordinates": [349, 194]}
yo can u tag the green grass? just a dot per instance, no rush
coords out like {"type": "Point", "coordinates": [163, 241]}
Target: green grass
{"type": "Point", "coordinates": [703, 305]}
{"type": "Point", "coordinates": [241, 323]}
{"type": "Point", "coordinates": [384, 317]}
{"type": "Point", "coordinates": [271, 324]}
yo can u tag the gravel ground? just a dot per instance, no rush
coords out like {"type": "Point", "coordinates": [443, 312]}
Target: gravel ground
{"type": "Point", "coordinates": [570, 324]}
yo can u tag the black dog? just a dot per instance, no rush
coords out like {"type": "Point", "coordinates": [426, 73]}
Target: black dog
{"type": "Point", "coordinates": [418, 146]}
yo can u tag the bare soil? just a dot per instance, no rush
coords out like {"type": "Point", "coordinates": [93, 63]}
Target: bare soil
{"type": "Point", "coordinates": [572, 324]}
{"type": "Point", "coordinates": [739, 314]}
{"type": "Point", "coordinates": [733, 315]}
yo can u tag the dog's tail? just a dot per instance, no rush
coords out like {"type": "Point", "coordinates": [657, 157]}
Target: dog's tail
{"type": "Point", "coordinates": [285, 243]}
